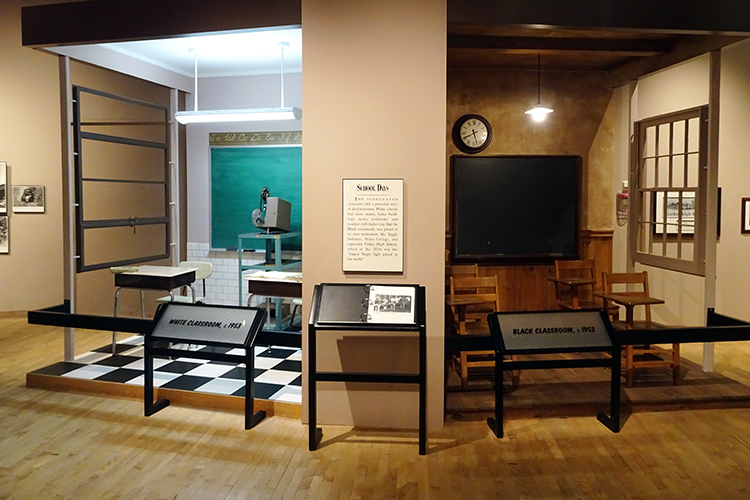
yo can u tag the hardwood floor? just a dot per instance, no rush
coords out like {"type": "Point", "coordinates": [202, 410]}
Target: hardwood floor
{"type": "Point", "coordinates": [57, 445]}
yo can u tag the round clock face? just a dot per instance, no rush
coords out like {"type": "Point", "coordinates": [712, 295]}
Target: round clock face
{"type": "Point", "coordinates": [472, 133]}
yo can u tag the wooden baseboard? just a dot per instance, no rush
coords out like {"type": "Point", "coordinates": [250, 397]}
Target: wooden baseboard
{"type": "Point", "coordinates": [13, 314]}
{"type": "Point", "coordinates": [235, 404]}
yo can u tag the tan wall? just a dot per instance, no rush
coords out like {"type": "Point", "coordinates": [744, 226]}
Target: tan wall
{"type": "Point", "coordinates": [733, 277]}
{"type": "Point", "coordinates": [679, 87]}
{"type": "Point", "coordinates": [95, 289]}
{"type": "Point", "coordinates": [582, 124]}
{"type": "Point", "coordinates": [374, 107]}
{"type": "Point", "coordinates": [31, 275]}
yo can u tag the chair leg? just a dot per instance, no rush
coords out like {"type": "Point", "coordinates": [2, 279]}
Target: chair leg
{"type": "Point", "coordinates": [464, 371]}
{"type": "Point", "coordinates": [676, 363]}
{"type": "Point", "coordinates": [515, 374]}
{"type": "Point", "coordinates": [629, 372]}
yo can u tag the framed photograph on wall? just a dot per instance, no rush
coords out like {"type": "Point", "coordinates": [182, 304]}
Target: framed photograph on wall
{"type": "Point", "coordinates": [28, 199]}
{"type": "Point", "coordinates": [3, 187]}
{"type": "Point", "coordinates": [4, 234]}
{"type": "Point", "coordinates": [745, 229]}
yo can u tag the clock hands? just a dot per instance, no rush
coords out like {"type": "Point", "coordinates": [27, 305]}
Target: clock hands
{"type": "Point", "coordinates": [472, 134]}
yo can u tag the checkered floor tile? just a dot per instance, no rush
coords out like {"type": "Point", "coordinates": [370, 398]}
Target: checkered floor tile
{"type": "Point", "coordinates": [277, 370]}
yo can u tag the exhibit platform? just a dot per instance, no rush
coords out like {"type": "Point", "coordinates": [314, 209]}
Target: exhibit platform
{"type": "Point", "coordinates": [586, 391]}
{"type": "Point", "coordinates": [185, 381]}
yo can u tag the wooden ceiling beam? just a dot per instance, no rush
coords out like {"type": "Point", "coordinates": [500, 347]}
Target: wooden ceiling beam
{"type": "Point", "coordinates": [685, 49]}
{"type": "Point", "coordinates": [556, 45]}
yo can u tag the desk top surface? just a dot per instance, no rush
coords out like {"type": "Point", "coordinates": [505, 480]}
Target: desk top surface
{"type": "Point", "coordinates": [289, 277]}
{"type": "Point", "coordinates": [160, 271]}
{"type": "Point", "coordinates": [269, 236]}
{"type": "Point", "coordinates": [572, 281]}
{"type": "Point", "coordinates": [629, 300]}
{"type": "Point", "coordinates": [464, 300]}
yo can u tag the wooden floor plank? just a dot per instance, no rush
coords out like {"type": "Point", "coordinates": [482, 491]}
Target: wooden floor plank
{"type": "Point", "coordinates": [69, 445]}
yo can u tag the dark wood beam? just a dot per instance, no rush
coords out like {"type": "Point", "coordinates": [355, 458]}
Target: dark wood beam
{"type": "Point", "coordinates": [525, 45]}
{"type": "Point", "coordinates": [116, 20]}
{"type": "Point", "coordinates": [685, 16]}
{"type": "Point", "coordinates": [684, 50]}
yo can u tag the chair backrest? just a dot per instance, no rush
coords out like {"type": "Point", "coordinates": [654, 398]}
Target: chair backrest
{"type": "Point", "coordinates": [628, 284]}
{"type": "Point", "coordinates": [575, 269]}
{"type": "Point", "coordinates": [202, 270]}
{"type": "Point", "coordinates": [485, 287]}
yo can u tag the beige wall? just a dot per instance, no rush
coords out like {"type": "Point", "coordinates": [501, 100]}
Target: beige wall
{"type": "Point", "coordinates": [577, 126]}
{"type": "Point", "coordinates": [374, 107]}
{"type": "Point", "coordinates": [733, 276]}
{"type": "Point", "coordinates": [676, 88]}
{"type": "Point", "coordinates": [31, 275]}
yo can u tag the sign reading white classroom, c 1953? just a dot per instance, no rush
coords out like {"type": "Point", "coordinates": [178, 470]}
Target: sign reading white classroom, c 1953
{"type": "Point", "coordinates": [373, 225]}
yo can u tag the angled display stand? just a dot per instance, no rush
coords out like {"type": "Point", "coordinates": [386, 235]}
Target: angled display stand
{"type": "Point", "coordinates": [550, 332]}
{"type": "Point", "coordinates": [373, 308]}
{"type": "Point", "coordinates": [213, 326]}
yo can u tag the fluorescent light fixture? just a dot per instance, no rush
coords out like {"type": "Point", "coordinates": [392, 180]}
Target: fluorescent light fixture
{"type": "Point", "coordinates": [539, 113]}
{"type": "Point", "coordinates": [238, 115]}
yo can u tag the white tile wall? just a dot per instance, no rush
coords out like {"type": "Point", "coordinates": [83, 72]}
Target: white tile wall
{"type": "Point", "coordinates": [223, 286]}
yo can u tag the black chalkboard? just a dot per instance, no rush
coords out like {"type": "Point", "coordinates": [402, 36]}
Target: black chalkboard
{"type": "Point", "coordinates": [237, 176]}
{"type": "Point", "coordinates": [515, 207]}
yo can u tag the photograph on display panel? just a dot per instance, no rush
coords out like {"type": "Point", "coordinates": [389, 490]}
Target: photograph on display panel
{"type": "Point", "coordinates": [28, 199]}
{"type": "Point", "coordinates": [3, 187]}
{"type": "Point", "coordinates": [4, 234]}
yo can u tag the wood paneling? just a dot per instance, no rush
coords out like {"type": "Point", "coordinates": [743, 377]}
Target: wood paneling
{"type": "Point", "coordinates": [524, 287]}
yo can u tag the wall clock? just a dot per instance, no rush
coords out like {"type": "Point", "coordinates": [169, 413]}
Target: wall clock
{"type": "Point", "coordinates": [472, 133]}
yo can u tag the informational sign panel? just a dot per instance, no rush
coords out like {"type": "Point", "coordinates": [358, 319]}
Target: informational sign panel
{"type": "Point", "coordinates": [196, 323]}
{"type": "Point", "coordinates": [373, 225]}
{"type": "Point", "coordinates": [555, 330]}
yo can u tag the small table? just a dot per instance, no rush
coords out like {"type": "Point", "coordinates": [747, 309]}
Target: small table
{"type": "Point", "coordinates": [629, 301]}
{"type": "Point", "coordinates": [574, 284]}
{"type": "Point", "coordinates": [278, 284]}
{"type": "Point", "coordinates": [142, 278]}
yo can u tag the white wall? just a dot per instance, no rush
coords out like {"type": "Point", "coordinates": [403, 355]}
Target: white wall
{"type": "Point", "coordinates": [375, 107]}
{"type": "Point", "coordinates": [733, 276]}
{"type": "Point", "coordinates": [676, 88]}
{"type": "Point", "coordinates": [230, 93]}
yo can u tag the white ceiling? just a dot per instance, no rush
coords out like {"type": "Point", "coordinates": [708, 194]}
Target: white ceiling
{"type": "Point", "coordinates": [235, 53]}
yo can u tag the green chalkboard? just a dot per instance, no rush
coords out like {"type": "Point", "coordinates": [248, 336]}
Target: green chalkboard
{"type": "Point", "coordinates": [237, 176]}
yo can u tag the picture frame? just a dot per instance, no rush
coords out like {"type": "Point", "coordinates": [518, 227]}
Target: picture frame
{"type": "Point", "coordinates": [3, 187]}
{"type": "Point", "coordinates": [672, 200]}
{"type": "Point", "coordinates": [745, 228]}
{"type": "Point", "coordinates": [4, 234]}
{"type": "Point", "coordinates": [28, 199]}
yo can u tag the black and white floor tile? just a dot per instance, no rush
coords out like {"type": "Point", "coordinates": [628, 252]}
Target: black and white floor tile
{"type": "Point", "coordinates": [278, 370]}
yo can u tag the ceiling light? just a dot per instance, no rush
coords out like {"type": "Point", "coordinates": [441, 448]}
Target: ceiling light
{"type": "Point", "coordinates": [239, 115]}
{"type": "Point", "coordinates": [539, 113]}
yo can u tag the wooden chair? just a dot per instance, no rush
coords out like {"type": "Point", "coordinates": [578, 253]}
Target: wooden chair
{"type": "Point", "coordinates": [574, 295]}
{"type": "Point", "coordinates": [646, 356]}
{"type": "Point", "coordinates": [472, 320]}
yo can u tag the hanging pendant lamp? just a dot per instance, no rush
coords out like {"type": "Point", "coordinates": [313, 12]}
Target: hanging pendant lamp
{"type": "Point", "coordinates": [239, 115]}
{"type": "Point", "coordinates": [539, 113]}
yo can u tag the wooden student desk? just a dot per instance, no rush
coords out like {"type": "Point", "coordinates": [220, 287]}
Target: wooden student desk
{"type": "Point", "coordinates": [629, 302]}
{"type": "Point", "coordinates": [574, 284]}
{"type": "Point", "coordinates": [279, 284]}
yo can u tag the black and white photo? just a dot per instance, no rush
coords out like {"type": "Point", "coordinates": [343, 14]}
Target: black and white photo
{"type": "Point", "coordinates": [28, 199]}
{"type": "Point", "coordinates": [3, 187]}
{"type": "Point", "coordinates": [4, 234]}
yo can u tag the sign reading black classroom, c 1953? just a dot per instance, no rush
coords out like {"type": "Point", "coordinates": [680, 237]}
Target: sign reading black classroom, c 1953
{"type": "Point", "coordinates": [554, 330]}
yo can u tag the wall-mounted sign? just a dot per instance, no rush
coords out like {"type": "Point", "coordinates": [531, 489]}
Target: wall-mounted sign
{"type": "Point", "coordinates": [373, 225]}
